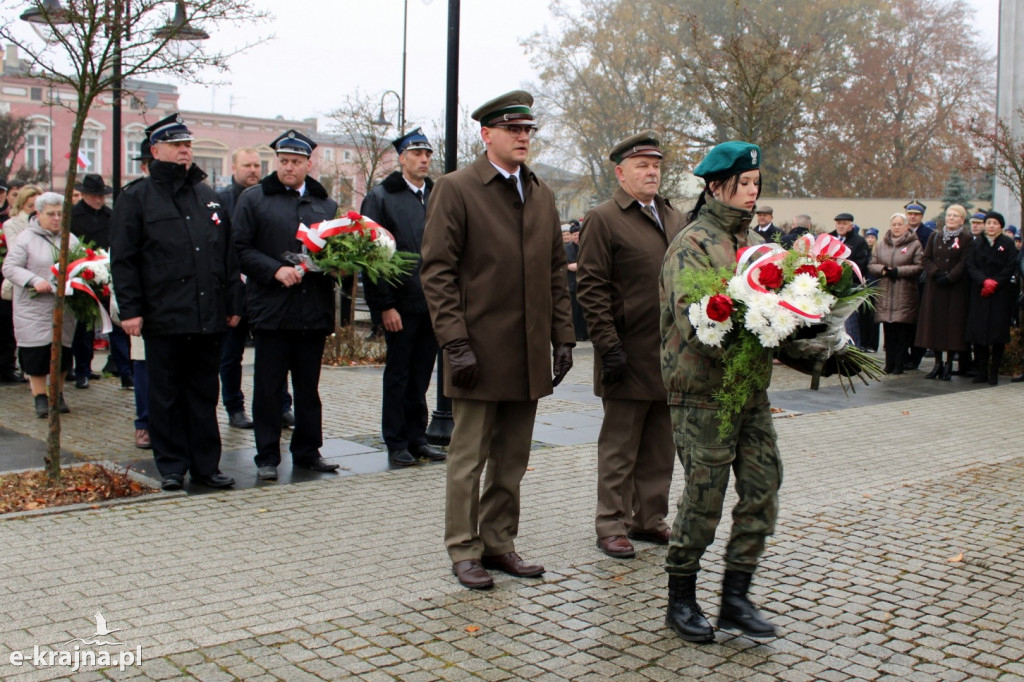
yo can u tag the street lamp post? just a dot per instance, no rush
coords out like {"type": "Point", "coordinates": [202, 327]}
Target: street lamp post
{"type": "Point", "coordinates": [382, 120]}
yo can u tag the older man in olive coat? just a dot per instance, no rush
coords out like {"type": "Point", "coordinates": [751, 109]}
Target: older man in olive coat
{"type": "Point", "coordinates": [494, 275]}
{"type": "Point", "coordinates": [622, 245]}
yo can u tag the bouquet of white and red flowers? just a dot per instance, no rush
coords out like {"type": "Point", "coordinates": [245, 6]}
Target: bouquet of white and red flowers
{"type": "Point", "coordinates": [794, 301]}
{"type": "Point", "coordinates": [87, 291]}
{"type": "Point", "coordinates": [349, 244]}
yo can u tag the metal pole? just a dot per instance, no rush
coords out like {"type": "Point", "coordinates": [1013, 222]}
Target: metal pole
{"type": "Point", "coordinates": [115, 176]}
{"type": "Point", "coordinates": [439, 432]}
{"type": "Point", "coordinates": [401, 100]}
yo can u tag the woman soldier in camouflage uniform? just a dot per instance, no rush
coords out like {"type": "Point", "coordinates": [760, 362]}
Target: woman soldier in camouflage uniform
{"type": "Point", "coordinates": [692, 371]}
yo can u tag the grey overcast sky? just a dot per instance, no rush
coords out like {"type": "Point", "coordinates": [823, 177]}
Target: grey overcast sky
{"type": "Point", "coordinates": [324, 49]}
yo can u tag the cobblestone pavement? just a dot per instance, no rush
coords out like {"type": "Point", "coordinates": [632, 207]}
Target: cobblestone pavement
{"type": "Point", "coordinates": [898, 555]}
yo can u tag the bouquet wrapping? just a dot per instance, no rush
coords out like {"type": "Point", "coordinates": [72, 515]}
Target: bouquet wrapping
{"type": "Point", "coordinates": [348, 244]}
{"type": "Point", "coordinates": [792, 302]}
{"type": "Point", "coordinates": [88, 286]}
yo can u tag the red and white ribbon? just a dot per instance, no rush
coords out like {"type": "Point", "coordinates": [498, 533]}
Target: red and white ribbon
{"type": "Point", "coordinates": [75, 282]}
{"type": "Point", "coordinates": [315, 236]}
{"type": "Point", "coordinates": [826, 247]}
{"type": "Point", "coordinates": [759, 256]}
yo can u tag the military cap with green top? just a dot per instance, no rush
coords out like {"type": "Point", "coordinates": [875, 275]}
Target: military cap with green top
{"type": "Point", "coordinates": [510, 109]}
{"type": "Point", "coordinates": [644, 143]}
{"type": "Point", "coordinates": [729, 158]}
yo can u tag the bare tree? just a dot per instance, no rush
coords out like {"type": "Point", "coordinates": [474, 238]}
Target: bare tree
{"type": "Point", "coordinates": [89, 43]}
{"type": "Point", "coordinates": [13, 130]}
{"type": "Point", "coordinates": [355, 122]}
{"type": "Point", "coordinates": [1006, 160]}
{"type": "Point", "coordinates": [469, 144]}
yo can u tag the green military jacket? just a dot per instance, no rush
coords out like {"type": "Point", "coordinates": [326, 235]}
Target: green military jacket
{"type": "Point", "coordinates": [691, 370]}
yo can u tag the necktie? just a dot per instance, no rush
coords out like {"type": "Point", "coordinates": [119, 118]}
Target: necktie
{"type": "Point", "coordinates": [419, 196]}
{"type": "Point", "coordinates": [512, 180]}
{"type": "Point", "coordinates": [649, 212]}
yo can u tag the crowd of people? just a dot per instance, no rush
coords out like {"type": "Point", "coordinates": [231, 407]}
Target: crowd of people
{"type": "Point", "coordinates": [196, 272]}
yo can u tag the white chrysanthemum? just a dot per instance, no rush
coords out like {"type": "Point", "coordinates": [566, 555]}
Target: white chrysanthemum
{"type": "Point", "coordinates": [739, 290]}
{"type": "Point", "coordinates": [769, 321]}
{"type": "Point", "coordinates": [709, 332]}
{"type": "Point", "coordinates": [386, 242]}
{"type": "Point", "coordinates": [102, 273]}
{"type": "Point", "coordinates": [805, 293]}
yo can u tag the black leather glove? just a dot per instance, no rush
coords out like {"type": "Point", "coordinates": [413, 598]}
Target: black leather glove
{"type": "Point", "coordinates": [462, 360]}
{"type": "Point", "coordinates": [892, 273]}
{"type": "Point", "coordinates": [942, 277]}
{"type": "Point", "coordinates": [613, 365]}
{"type": "Point", "coordinates": [810, 331]}
{"type": "Point", "coordinates": [562, 357]}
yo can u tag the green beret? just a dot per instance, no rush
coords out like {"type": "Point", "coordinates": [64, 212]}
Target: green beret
{"type": "Point", "coordinates": [642, 144]}
{"type": "Point", "coordinates": [729, 158]}
{"type": "Point", "coordinates": [512, 108]}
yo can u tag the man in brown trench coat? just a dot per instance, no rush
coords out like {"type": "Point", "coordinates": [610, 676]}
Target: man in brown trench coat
{"type": "Point", "coordinates": [494, 275]}
{"type": "Point", "coordinates": [622, 245]}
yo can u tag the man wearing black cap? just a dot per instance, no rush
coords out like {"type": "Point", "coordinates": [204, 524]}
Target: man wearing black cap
{"type": "Point", "coordinates": [399, 204]}
{"type": "Point", "coordinates": [175, 276]}
{"type": "Point", "coordinates": [494, 276]}
{"type": "Point", "coordinates": [765, 216]}
{"type": "Point", "coordinates": [291, 312]}
{"type": "Point", "coordinates": [90, 222]}
{"type": "Point", "coordinates": [915, 211]}
{"type": "Point", "coordinates": [622, 247]}
{"type": "Point", "coordinates": [860, 254]}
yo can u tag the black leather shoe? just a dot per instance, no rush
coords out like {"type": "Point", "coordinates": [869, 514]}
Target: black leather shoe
{"type": "Point", "coordinates": [239, 420]}
{"type": "Point", "coordinates": [684, 615]}
{"type": "Point", "coordinates": [214, 480]}
{"type": "Point", "coordinates": [267, 473]}
{"type": "Point", "coordinates": [42, 404]}
{"type": "Point", "coordinates": [81, 382]}
{"type": "Point", "coordinates": [173, 482]}
{"type": "Point", "coordinates": [127, 382]}
{"type": "Point", "coordinates": [318, 464]}
{"type": "Point", "coordinates": [401, 458]}
{"type": "Point", "coordinates": [62, 406]}
{"type": "Point", "coordinates": [11, 377]}
{"type": "Point", "coordinates": [428, 452]}
{"type": "Point", "coordinates": [737, 612]}
{"type": "Point", "coordinates": [288, 419]}
{"type": "Point", "coordinates": [1017, 379]}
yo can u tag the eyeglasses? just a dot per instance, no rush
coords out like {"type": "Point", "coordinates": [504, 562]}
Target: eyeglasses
{"type": "Point", "coordinates": [519, 131]}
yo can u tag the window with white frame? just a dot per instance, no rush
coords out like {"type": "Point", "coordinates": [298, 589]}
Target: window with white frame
{"type": "Point", "coordinates": [90, 150]}
{"type": "Point", "coordinates": [37, 146]}
{"type": "Point", "coordinates": [132, 150]}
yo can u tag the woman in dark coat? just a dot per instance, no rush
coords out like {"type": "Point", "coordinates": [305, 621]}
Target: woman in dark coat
{"type": "Point", "coordinates": [991, 263]}
{"type": "Point", "coordinates": [897, 262]}
{"type": "Point", "coordinates": [942, 324]}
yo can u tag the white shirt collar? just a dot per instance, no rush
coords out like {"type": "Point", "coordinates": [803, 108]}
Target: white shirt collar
{"type": "Point", "coordinates": [414, 188]}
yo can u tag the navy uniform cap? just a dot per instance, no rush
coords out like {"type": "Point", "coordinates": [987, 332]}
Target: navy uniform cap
{"type": "Point", "coordinates": [169, 129]}
{"type": "Point", "coordinates": [728, 159]}
{"type": "Point", "coordinates": [414, 139]}
{"type": "Point", "coordinates": [145, 151]}
{"type": "Point", "coordinates": [3, 184]}
{"type": "Point", "coordinates": [915, 206]}
{"type": "Point", "coordinates": [512, 108]}
{"type": "Point", "coordinates": [871, 232]}
{"type": "Point", "coordinates": [293, 142]}
{"type": "Point", "coordinates": [980, 215]}
{"type": "Point", "coordinates": [641, 144]}
{"type": "Point", "coordinates": [844, 216]}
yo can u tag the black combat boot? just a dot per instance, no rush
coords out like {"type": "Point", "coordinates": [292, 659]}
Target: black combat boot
{"type": "Point", "coordinates": [937, 369]}
{"type": "Point", "coordinates": [684, 614]}
{"type": "Point", "coordinates": [737, 613]}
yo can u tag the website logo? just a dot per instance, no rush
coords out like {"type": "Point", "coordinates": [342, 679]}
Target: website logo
{"type": "Point", "coordinates": [81, 654]}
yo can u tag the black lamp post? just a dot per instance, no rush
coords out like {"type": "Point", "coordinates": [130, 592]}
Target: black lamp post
{"type": "Point", "coordinates": [382, 120]}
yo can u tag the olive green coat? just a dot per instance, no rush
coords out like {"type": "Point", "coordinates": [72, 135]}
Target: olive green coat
{"type": "Point", "coordinates": [621, 251]}
{"type": "Point", "coordinates": [494, 272]}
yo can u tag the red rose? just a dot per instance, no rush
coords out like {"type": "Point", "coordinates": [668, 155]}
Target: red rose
{"type": "Point", "coordinates": [770, 275]}
{"type": "Point", "coordinates": [89, 253]}
{"type": "Point", "coordinates": [106, 290]}
{"type": "Point", "coordinates": [353, 216]}
{"type": "Point", "coordinates": [807, 270]}
{"type": "Point", "coordinates": [719, 307]}
{"type": "Point", "coordinates": [88, 274]}
{"type": "Point", "coordinates": [832, 270]}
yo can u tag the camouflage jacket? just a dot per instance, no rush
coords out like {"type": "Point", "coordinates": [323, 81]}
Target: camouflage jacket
{"type": "Point", "coordinates": [691, 370]}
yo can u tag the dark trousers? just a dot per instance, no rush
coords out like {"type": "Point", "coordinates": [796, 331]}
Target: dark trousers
{"type": "Point", "coordinates": [7, 344]}
{"type": "Point", "coordinates": [898, 338]}
{"type": "Point", "coordinates": [81, 349]}
{"type": "Point", "coordinates": [407, 372]}
{"type": "Point", "coordinates": [231, 370]}
{"type": "Point", "coordinates": [141, 375]}
{"type": "Point", "coordinates": [120, 351]}
{"type": "Point", "coordinates": [579, 323]}
{"type": "Point", "coordinates": [277, 354]}
{"type": "Point", "coordinates": [183, 402]}
{"type": "Point", "coordinates": [868, 328]}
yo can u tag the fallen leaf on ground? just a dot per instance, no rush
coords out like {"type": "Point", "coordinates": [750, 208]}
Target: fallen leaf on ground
{"type": "Point", "coordinates": [956, 559]}
{"type": "Point", "coordinates": [529, 468]}
{"type": "Point", "coordinates": [472, 628]}
{"type": "Point", "coordinates": [31, 490]}
{"type": "Point", "coordinates": [906, 412]}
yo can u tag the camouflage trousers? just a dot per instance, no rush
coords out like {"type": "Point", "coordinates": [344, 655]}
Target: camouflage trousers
{"type": "Point", "coordinates": [752, 454]}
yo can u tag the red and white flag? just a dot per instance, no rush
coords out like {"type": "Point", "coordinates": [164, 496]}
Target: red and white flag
{"type": "Point", "coordinates": [83, 160]}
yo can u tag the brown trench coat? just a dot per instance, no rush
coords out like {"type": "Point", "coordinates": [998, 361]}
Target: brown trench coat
{"type": "Point", "coordinates": [494, 272]}
{"type": "Point", "coordinates": [621, 251]}
{"type": "Point", "coordinates": [897, 299]}
{"type": "Point", "coordinates": [942, 323]}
